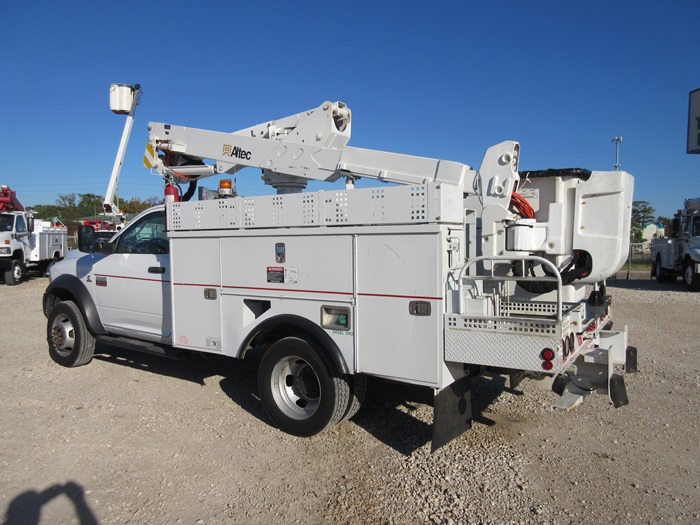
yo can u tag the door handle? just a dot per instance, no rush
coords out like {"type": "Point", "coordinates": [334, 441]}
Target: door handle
{"type": "Point", "coordinates": [156, 269]}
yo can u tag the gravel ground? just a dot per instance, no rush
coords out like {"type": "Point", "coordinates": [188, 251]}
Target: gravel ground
{"type": "Point", "coordinates": [135, 439]}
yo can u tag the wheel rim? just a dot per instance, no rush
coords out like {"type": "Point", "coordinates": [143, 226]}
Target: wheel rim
{"type": "Point", "coordinates": [63, 335]}
{"type": "Point", "coordinates": [17, 272]}
{"type": "Point", "coordinates": [295, 387]}
{"type": "Point", "coordinates": [688, 275]}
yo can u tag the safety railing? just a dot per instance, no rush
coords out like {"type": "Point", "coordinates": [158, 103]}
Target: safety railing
{"type": "Point", "coordinates": [555, 277]}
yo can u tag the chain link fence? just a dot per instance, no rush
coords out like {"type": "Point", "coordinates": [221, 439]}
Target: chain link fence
{"type": "Point", "coordinates": [639, 258]}
{"type": "Point", "coordinates": [640, 253]}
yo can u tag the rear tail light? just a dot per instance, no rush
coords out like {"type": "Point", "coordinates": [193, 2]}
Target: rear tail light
{"type": "Point", "coordinates": [547, 356]}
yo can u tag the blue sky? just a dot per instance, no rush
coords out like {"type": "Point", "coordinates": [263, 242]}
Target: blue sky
{"type": "Point", "coordinates": [435, 79]}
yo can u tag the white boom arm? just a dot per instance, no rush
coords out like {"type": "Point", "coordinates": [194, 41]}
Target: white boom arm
{"type": "Point", "coordinates": [299, 148]}
{"type": "Point", "coordinates": [118, 106]}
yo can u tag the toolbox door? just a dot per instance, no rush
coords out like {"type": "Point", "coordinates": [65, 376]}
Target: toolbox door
{"type": "Point", "coordinates": [399, 306]}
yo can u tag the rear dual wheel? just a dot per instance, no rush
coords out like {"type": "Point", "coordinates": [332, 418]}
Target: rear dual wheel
{"type": "Point", "coordinates": [662, 276]}
{"type": "Point", "coordinates": [301, 390]}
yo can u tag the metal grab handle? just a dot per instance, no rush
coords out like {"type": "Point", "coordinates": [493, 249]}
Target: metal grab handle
{"type": "Point", "coordinates": [533, 258]}
{"type": "Point", "coordinates": [156, 269]}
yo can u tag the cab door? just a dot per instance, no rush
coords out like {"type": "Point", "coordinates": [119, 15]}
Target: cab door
{"type": "Point", "coordinates": [22, 236]}
{"type": "Point", "coordinates": [132, 283]}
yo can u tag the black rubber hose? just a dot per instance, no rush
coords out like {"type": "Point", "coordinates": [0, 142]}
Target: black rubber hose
{"type": "Point", "coordinates": [190, 191]}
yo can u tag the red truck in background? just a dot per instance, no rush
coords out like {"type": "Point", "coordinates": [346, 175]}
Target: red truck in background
{"type": "Point", "coordinates": [99, 225]}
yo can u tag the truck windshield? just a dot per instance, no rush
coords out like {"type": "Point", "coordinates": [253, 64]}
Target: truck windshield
{"type": "Point", "coordinates": [6, 222]}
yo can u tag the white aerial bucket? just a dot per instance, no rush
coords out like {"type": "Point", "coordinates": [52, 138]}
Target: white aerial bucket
{"type": "Point", "coordinates": [121, 97]}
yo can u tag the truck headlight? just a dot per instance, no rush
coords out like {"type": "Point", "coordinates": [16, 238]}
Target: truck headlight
{"type": "Point", "coordinates": [5, 251]}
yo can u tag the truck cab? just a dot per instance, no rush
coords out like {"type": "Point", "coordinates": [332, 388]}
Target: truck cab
{"type": "Point", "coordinates": [15, 247]}
{"type": "Point", "coordinates": [121, 284]}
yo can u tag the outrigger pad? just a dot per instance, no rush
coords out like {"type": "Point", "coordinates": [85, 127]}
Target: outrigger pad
{"type": "Point", "coordinates": [452, 412]}
{"type": "Point", "coordinates": [618, 392]}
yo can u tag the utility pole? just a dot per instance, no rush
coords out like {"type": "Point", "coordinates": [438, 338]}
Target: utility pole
{"type": "Point", "coordinates": [617, 141]}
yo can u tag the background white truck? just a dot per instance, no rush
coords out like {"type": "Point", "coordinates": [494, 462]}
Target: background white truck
{"type": "Point", "coordinates": [444, 275]}
{"type": "Point", "coordinates": [679, 254]}
{"type": "Point", "coordinates": [25, 242]}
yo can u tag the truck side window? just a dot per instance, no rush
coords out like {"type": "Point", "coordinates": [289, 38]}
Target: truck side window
{"type": "Point", "coordinates": [20, 225]}
{"type": "Point", "coordinates": [146, 236]}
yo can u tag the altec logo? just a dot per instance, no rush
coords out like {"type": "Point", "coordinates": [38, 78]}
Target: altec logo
{"type": "Point", "coordinates": [235, 151]}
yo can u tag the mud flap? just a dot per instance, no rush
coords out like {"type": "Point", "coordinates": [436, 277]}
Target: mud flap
{"type": "Point", "coordinates": [452, 412]}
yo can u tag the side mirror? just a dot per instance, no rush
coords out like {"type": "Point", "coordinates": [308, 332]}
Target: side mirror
{"type": "Point", "coordinates": [30, 224]}
{"type": "Point", "coordinates": [86, 239]}
{"type": "Point", "coordinates": [675, 227]}
{"type": "Point", "coordinates": [103, 246]}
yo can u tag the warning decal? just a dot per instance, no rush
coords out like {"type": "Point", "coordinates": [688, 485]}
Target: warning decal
{"type": "Point", "coordinates": [275, 274]}
{"type": "Point", "coordinates": [280, 274]}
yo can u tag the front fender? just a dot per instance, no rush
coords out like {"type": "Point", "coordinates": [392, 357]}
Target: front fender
{"type": "Point", "coordinates": [694, 252]}
{"type": "Point", "coordinates": [68, 287]}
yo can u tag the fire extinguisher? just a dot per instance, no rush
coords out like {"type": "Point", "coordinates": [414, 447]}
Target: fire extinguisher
{"type": "Point", "coordinates": [172, 193]}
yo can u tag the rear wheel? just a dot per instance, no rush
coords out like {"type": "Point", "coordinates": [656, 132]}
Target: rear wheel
{"type": "Point", "coordinates": [300, 390]}
{"type": "Point", "coordinates": [70, 342]}
{"type": "Point", "coordinates": [662, 276]}
{"type": "Point", "coordinates": [15, 274]}
{"type": "Point", "coordinates": [691, 279]}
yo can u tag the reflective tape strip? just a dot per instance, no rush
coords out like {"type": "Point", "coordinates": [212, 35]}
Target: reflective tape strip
{"type": "Point", "coordinates": [149, 158]}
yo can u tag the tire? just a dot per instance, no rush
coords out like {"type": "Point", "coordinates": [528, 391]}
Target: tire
{"type": "Point", "coordinates": [690, 278]}
{"type": "Point", "coordinates": [300, 390]}
{"type": "Point", "coordinates": [15, 274]}
{"type": "Point", "coordinates": [358, 390]}
{"type": "Point", "coordinates": [70, 342]}
{"type": "Point", "coordinates": [662, 276]}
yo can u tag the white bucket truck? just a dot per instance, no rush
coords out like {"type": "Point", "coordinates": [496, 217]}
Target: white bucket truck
{"type": "Point", "coordinates": [679, 254]}
{"type": "Point", "coordinates": [446, 273]}
{"type": "Point", "coordinates": [25, 242]}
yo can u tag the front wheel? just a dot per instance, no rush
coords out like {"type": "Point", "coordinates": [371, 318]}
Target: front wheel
{"type": "Point", "coordinates": [300, 391]}
{"type": "Point", "coordinates": [70, 342]}
{"type": "Point", "coordinates": [15, 274]}
{"type": "Point", "coordinates": [691, 279]}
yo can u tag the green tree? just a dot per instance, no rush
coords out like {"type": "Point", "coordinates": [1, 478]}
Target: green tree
{"type": "Point", "coordinates": [89, 205]}
{"type": "Point", "coordinates": [665, 222]}
{"type": "Point", "coordinates": [48, 211]}
{"type": "Point", "coordinates": [642, 213]}
{"type": "Point", "coordinates": [71, 207]}
{"type": "Point", "coordinates": [68, 206]}
{"type": "Point", "coordinates": [137, 205]}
